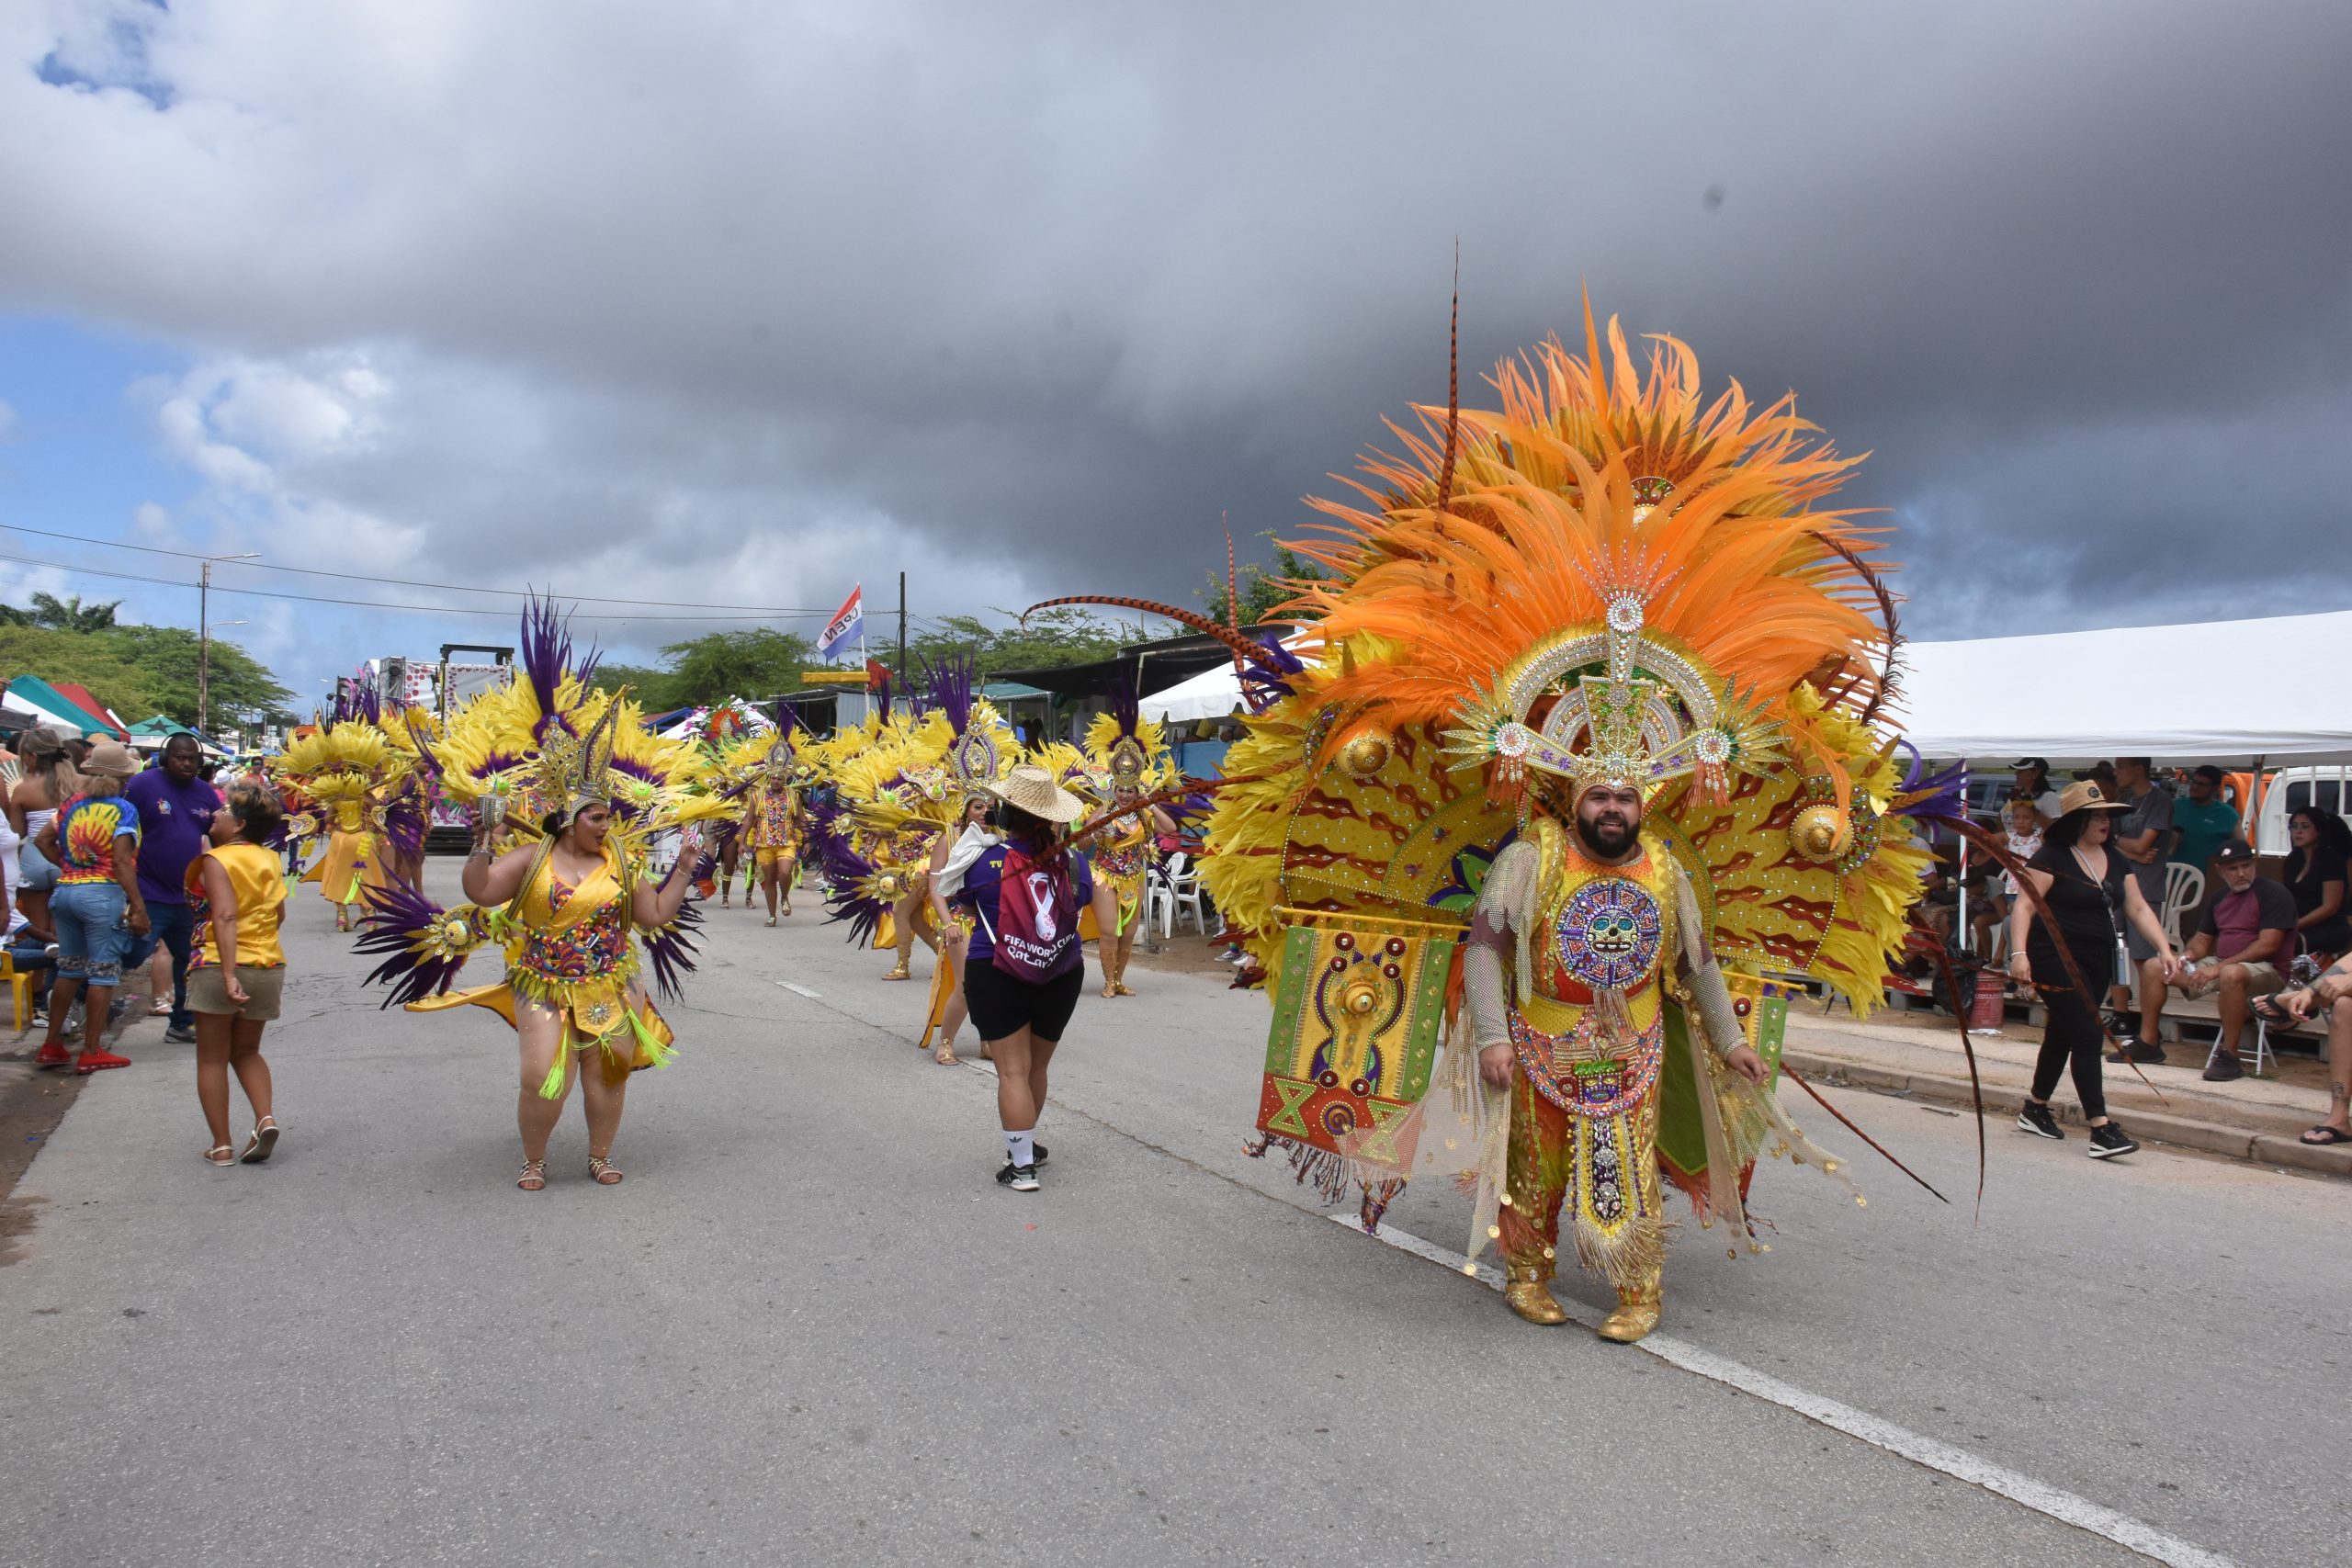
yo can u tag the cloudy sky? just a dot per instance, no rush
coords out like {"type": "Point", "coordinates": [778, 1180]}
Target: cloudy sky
{"type": "Point", "coordinates": [718, 303]}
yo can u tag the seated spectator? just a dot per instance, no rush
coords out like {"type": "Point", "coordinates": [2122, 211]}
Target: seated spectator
{"type": "Point", "coordinates": [2024, 840]}
{"type": "Point", "coordinates": [2315, 877]}
{"type": "Point", "coordinates": [2330, 997]}
{"type": "Point", "coordinates": [2204, 821]}
{"type": "Point", "coordinates": [34, 952]}
{"type": "Point", "coordinates": [2034, 785]}
{"type": "Point", "coordinates": [2242, 951]}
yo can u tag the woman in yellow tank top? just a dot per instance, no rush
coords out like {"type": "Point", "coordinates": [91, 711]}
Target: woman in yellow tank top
{"type": "Point", "coordinates": [236, 969]}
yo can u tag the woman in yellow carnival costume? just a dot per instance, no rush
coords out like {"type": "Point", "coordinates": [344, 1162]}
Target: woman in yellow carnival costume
{"type": "Point", "coordinates": [358, 774]}
{"type": "Point", "coordinates": [897, 797]}
{"type": "Point", "coordinates": [574, 772]}
{"type": "Point", "coordinates": [1127, 758]}
{"type": "Point", "coordinates": [772, 827]}
{"type": "Point", "coordinates": [1592, 763]}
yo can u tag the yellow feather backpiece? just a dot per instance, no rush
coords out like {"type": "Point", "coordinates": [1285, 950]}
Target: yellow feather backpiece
{"type": "Point", "coordinates": [1750, 615]}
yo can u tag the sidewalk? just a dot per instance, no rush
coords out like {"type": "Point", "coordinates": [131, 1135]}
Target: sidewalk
{"type": "Point", "coordinates": [1918, 1053]}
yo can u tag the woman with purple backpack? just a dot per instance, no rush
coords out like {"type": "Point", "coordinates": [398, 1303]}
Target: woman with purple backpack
{"type": "Point", "coordinates": [1023, 970]}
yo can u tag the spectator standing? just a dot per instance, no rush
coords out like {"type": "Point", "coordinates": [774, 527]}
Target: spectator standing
{"type": "Point", "coordinates": [176, 811]}
{"type": "Point", "coordinates": [2204, 821]}
{"type": "Point", "coordinates": [97, 907]}
{"type": "Point", "coordinates": [2248, 935]}
{"type": "Point", "coordinates": [240, 969]}
{"type": "Point", "coordinates": [2033, 785]}
{"type": "Point", "coordinates": [2143, 838]}
{"type": "Point", "coordinates": [2091, 898]}
{"type": "Point", "coordinates": [2315, 878]}
{"type": "Point", "coordinates": [2024, 838]}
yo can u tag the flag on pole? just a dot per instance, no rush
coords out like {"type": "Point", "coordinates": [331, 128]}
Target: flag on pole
{"type": "Point", "coordinates": [847, 626]}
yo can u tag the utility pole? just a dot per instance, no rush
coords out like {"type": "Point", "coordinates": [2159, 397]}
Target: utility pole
{"type": "Point", "coordinates": [203, 645]}
{"type": "Point", "coordinates": [204, 636]}
{"type": "Point", "coordinates": [902, 629]}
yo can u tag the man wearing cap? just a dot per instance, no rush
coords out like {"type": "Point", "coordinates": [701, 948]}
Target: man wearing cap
{"type": "Point", "coordinates": [2241, 951]}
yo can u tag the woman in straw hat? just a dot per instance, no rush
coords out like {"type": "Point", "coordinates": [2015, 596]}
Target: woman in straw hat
{"type": "Point", "coordinates": [1023, 970]}
{"type": "Point", "coordinates": [2091, 892]}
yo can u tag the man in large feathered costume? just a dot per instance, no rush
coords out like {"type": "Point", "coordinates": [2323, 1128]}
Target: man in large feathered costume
{"type": "Point", "coordinates": [1591, 764]}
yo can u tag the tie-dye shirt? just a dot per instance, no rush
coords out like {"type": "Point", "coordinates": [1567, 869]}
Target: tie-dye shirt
{"type": "Point", "coordinates": [88, 831]}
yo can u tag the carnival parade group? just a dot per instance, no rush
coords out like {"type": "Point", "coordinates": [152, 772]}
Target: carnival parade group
{"type": "Point", "coordinates": [1573, 758]}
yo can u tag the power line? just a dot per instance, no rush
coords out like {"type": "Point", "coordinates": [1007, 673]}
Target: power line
{"type": "Point", "coordinates": [775, 610]}
{"type": "Point", "coordinates": [361, 603]}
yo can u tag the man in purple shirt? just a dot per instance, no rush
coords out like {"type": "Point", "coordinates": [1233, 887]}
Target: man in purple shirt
{"type": "Point", "coordinates": [176, 811]}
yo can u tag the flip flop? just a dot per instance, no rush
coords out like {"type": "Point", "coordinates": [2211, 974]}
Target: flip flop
{"type": "Point", "coordinates": [2324, 1136]}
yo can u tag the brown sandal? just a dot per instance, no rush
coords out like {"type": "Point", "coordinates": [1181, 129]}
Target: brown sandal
{"type": "Point", "coordinates": [534, 1177]}
{"type": "Point", "coordinates": [603, 1171]}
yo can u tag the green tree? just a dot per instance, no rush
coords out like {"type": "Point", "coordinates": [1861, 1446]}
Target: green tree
{"type": "Point", "coordinates": [756, 663]}
{"type": "Point", "coordinates": [1068, 634]}
{"type": "Point", "coordinates": [1263, 592]}
{"type": "Point", "coordinates": [70, 614]}
{"type": "Point", "coordinates": [241, 687]}
{"type": "Point", "coordinates": [143, 670]}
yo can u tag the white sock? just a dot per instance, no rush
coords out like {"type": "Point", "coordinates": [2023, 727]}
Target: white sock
{"type": "Point", "coordinates": [1019, 1149]}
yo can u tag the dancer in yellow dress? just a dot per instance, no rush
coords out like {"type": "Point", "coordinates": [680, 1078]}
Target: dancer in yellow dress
{"type": "Point", "coordinates": [772, 824]}
{"type": "Point", "coordinates": [1127, 757]}
{"type": "Point", "coordinates": [573, 773]}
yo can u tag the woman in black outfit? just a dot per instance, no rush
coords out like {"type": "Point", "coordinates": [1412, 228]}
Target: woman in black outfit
{"type": "Point", "coordinates": [2315, 873]}
{"type": "Point", "coordinates": [2090, 891]}
{"type": "Point", "coordinates": [1023, 970]}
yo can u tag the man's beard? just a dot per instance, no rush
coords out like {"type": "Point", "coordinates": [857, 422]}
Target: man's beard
{"type": "Point", "coordinates": [1608, 838]}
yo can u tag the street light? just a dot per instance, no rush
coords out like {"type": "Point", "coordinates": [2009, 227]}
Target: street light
{"type": "Point", "coordinates": [204, 634]}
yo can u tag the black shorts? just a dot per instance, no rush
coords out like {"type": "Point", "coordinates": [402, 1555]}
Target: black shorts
{"type": "Point", "coordinates": [1001, 1005]}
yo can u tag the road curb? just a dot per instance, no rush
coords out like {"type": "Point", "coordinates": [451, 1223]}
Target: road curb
{"type": "Point", "coordinates": [2255, 1145]}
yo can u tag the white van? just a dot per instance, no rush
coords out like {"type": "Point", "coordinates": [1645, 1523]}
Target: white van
{"type": "Point", "coordinates": [2328, 787]}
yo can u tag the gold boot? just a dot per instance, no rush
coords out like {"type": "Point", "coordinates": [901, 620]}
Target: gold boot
{"type": "Point", "coordinates": [1636, 1314]}
{"type": "Point", "coordinates": [1524, 1293]}
{"type": "Point", "coordinates": [902, 972]}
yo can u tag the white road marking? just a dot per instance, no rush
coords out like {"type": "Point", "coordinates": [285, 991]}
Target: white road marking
{"type": "Point", "coordinates": [2134, 1535]}
{"type": "Point", "coordinates": [799, 990]}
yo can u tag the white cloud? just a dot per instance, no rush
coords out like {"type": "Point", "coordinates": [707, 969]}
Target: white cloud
{"type": "Point", "coordinates": [727, 303]}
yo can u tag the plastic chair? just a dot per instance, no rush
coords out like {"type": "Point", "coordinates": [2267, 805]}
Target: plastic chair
{"type": "Point", "coordinates": [20, 990]}
{"type": "Point", "coordinates": [2184, 890]}
{"type": "Point", "coordinates": [1159, 904]}
{"type": "Point", "coordinates": [1184, 895]}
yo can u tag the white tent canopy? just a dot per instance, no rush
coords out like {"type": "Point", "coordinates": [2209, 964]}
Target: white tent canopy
{"type": "Point", "coordinates": [2214, 691]}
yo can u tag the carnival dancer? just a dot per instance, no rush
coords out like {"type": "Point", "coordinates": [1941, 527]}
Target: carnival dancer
{"type": "Point", "coordinates": [1127, 756]}
{"type": "Point", "coordinates": [948, 1010]}
{"type": "Point", "coordinates": [576, 770]}
{"type": "Point", "coordinates": [1024, 971]}
{"type": "Point", "coordinates": [771, 825]}
{"type": "Point", "coordinates": [1599, 688]}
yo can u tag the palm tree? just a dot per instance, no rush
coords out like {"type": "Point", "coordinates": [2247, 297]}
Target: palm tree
{"type": "Point", "coordinates": [70, 614]}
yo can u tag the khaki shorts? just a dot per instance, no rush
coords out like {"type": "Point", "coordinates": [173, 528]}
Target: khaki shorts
{"type": "Point", "coordinates": [264, 989]}
{"type": "Point", "coordinates": [2263, 979]}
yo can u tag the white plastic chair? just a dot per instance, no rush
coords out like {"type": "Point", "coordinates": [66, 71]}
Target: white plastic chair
{"type": "Point", "coordinates": [2184, 890]}
{"type": "Point", "coordinates": [1159, 904]}
{"type": "Point", "coordinates": [1184, 895]}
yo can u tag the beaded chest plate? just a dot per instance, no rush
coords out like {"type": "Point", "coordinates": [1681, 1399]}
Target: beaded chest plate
{"type": "Point", "coordinates": [1609, 934]}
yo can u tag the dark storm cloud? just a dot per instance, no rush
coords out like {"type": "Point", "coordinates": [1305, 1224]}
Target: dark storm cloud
{"type": "Point", "coordinates": [1020, 298]}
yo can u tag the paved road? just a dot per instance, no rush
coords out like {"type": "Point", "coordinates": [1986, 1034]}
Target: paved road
{"type": "Point", "coordinates": [810, 1329]}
